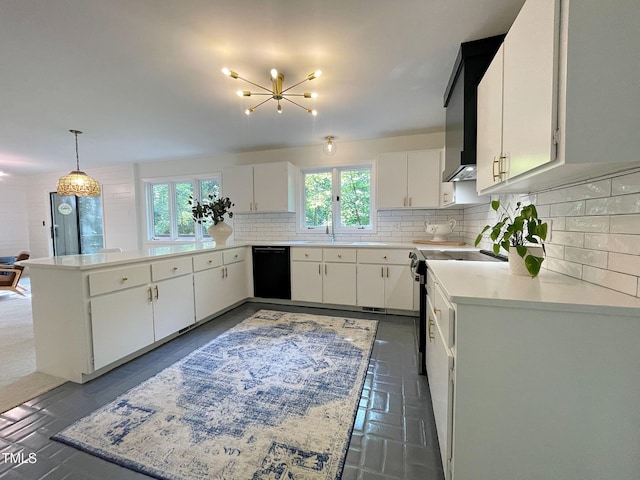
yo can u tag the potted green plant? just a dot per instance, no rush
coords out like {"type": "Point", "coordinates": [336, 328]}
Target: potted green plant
{"type": "Point", "coordinates": [525, 232]}
{"type": "Point", "coordinates": [213, 209]}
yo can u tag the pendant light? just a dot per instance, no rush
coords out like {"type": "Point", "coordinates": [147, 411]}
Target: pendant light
{"type": "Point", "coordinates": [77, 182]}
{"type": "Point", "coordinates": [329, 148]}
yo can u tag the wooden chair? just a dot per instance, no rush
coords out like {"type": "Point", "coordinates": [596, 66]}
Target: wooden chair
{"type": "Point", "coordinates": [10, 276]}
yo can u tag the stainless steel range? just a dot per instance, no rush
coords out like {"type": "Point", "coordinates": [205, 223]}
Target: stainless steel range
{"type": "Point", "coordinates": [419, 271]}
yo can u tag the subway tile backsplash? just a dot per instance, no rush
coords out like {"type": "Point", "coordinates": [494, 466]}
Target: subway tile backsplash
{"type": "Point", "coordinates": [392, 226]}
{"type": "Point", "coordinates": [595, 229]}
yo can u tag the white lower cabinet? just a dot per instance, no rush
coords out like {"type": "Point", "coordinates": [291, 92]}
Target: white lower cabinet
{"type": "Point", "coordinates": [173, 307]}
{"type": "Point", "coordinates": [220, 280]}
{"type": "Point", "coordinates": [306, 281]}
{"type": "Point", "coordinates": [122, 323]}
{"type": "Point", "coordinates": [384, 279]}
{"type": "Point", "coordinates": [323, 275]}
{"type": "Point", "coordinates": [339, 283]}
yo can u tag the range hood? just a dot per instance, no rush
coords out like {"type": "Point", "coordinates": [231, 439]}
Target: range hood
{"type": "Point", "coordinates": [461, 103]}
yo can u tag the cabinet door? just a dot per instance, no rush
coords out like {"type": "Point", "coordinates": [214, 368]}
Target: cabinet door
{"type": "Point", "coordinates": [206, 295]}
{"type": "Point", "coordinates": [398, 288]}
{"type": "Point", "coordinates": [271, 188]}
{"type": "Point", "coordinates": [235, 283]}
{"type": "Point", "coordinates": [306, 281]}
{"type": "Point", "coordinates": [339, 284]}
{"type": "Point", "coordinates": [424, 176]}
{"type": "Point", "coordinates": [439, 363]}
{"type": "Point", "coordinates": [370, 289]}
{"type": "Point", "coordinates": [237, 184]}
{"type": "Point", "coordinates": [121, 323]}
{"type": "Point", "coordinates": [530, 87]}
{"type": "Point", "coordinates": [391, 189]}
{"type": "Point", "coordinates": [173, 305]}
{"type": "Point", "coordinates": [489, 143]}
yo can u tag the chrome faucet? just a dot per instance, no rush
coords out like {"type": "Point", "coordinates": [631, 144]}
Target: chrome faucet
{"type": "Point", "coordinates": [332, 236]}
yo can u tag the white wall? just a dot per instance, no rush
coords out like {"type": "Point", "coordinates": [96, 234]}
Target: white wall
{"type": "Point", "coordinates": [14, 231]}
{"type": "Point", "coordinates": [26, 219]}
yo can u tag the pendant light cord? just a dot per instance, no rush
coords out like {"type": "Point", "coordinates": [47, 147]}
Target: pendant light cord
{"type": "Point", "coordinates": [76, 132]}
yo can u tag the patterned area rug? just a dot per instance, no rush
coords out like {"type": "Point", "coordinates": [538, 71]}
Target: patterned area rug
{"type": "Point", "coordinates": [273, 398]}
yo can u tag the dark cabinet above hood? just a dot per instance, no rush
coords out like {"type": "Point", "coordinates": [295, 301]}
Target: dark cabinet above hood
{"type": "Point", "coordinates": [461, 103]}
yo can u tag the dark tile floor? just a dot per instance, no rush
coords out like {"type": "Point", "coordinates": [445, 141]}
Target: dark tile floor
{"type": "Point", "coordinates": [393, 438]}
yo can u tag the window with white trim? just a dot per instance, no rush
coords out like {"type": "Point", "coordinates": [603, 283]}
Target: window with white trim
{"type": "Point", "coordinates": [339, 198]}
{"type": "Point", "coordinates": [168, 211]}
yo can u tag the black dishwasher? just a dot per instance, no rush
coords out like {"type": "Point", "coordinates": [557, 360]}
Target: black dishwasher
{"type": "Point", "coordinates": [271, 272]}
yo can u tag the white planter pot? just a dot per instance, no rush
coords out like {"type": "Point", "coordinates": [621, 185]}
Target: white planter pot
{"type": "Point", "coordinates": [516, 262]}
{"type": "Point", "coordinates": [220, 232]}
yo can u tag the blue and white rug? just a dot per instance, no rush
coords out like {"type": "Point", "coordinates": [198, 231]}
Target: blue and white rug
{"type": "Point", "coordinates": [273, 398]}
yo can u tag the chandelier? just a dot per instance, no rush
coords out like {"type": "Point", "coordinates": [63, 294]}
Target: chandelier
{"type": "Point", "coordinates": [275, 92]}
{"type": "Point", "coordinates": [77, 182]}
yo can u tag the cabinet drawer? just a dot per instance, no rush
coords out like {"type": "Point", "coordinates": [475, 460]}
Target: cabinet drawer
{"type": "Point", "coordinates": [305, 254]}
{"type": "Point", "coordinates": [445, 316]}
{"type": "Point", "coordinates": [207, 260]}
{"type": "Point", "coordinates": [383, 256]}
{"type": "Point", "coordinates": [339, 255]}
{"type": "Point", "coordinates": [118, 279]}
{"type": "Point", "coordinates": [171, 268]}
{"type": "Point", "coordinates": [234, 255]}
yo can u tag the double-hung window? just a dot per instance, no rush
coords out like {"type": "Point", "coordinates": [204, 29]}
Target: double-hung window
{"type": "Point", "coordinates": [338, 200]}
{"type": "Point", "coordinates": [168, 211]}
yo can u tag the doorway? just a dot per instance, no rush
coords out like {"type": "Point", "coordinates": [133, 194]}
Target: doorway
{"type": "Point", "coordinates": [76, 224]}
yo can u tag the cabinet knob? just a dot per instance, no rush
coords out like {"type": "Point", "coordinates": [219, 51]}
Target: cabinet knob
{"type": "Point", "coordinates": [431, 334]}
{"type": "Point", "coordinates": [306, 254]}
{"type": "Point", "coordinates": [235, 256]}
{"type": "Point", "coordinates": [210, 261]}
{"type": "Point", "coordinates": [175, 268]}
{"type": "Point", "coordinates": [339, 255]}
{"type": "Point", "coordinates": [124, 279]}
{"type": "Point", "coordinates": [385, 257]}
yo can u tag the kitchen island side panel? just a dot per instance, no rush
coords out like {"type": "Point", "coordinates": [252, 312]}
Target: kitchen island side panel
{"type": "Point", "coordinates": [61, 325]}
{"type": "Point", "coordinates": [543, 394]}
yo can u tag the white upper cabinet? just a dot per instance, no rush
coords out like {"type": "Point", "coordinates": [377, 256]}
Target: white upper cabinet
{"type": "Point", "coordinates": [560, 99]}
{"type": "Point", "coordinates": [409, 179]}
{"type": "Point", "coordinates": [265, 187]}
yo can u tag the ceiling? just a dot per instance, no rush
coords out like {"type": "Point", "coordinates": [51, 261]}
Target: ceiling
{"type": "Point", "coordinates": [142, 78]}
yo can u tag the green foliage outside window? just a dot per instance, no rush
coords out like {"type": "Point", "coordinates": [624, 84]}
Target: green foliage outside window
{"type": "Point", "coordinates": [161, 219]}
{"type": "Point", "coordinates": [354, 191]}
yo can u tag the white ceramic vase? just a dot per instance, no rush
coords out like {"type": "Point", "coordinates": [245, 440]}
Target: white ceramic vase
{"type": "Point", "coordinates": [516, 262]}
{"type": "Point", "coordinates": [220, 232]}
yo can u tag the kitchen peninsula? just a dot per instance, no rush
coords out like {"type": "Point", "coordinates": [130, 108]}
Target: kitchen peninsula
{"type": "Point", "coordinates": [532, 378]}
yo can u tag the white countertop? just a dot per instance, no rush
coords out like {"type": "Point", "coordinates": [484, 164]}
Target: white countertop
{"type": "Point", "coordinates": [82, 262]}
{"type": "Point", "coordinates": [491, 283]}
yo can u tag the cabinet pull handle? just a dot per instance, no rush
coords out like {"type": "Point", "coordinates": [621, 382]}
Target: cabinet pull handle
{"type": "Point", "coordinates": [226, 272]}
{"type": "Point", "coordinates": [431, 334]}
{"type": "Point", "coordinates": [404, 202]}
{"type": "Point", "coordinates": [157, 292]}
{"type": "Point", "coordinates": [222, 271]}
{"type": "Point", "coordinates": [410, 198]}
{"type": "Point", "coordinates": [124, 279]}
{"type": "Point", "coordinates": [255, 206]}
{"type": "Point", "coordinates": [319, 269]}
{"type": "Point", "coordinates": [436, 310]}
{"type": "Point", "coordinates": [382, 272]}
{"type": "Point", "coordinates": [493, 168]}
{"type": "Point", "coordinates": [150, 294]}
{"type": "Point", "coordinates": [325, 268]}
{"type": "Point", "coordinates": [501, 171]}
{"type": "Point", "coordinates": [387, 272]}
